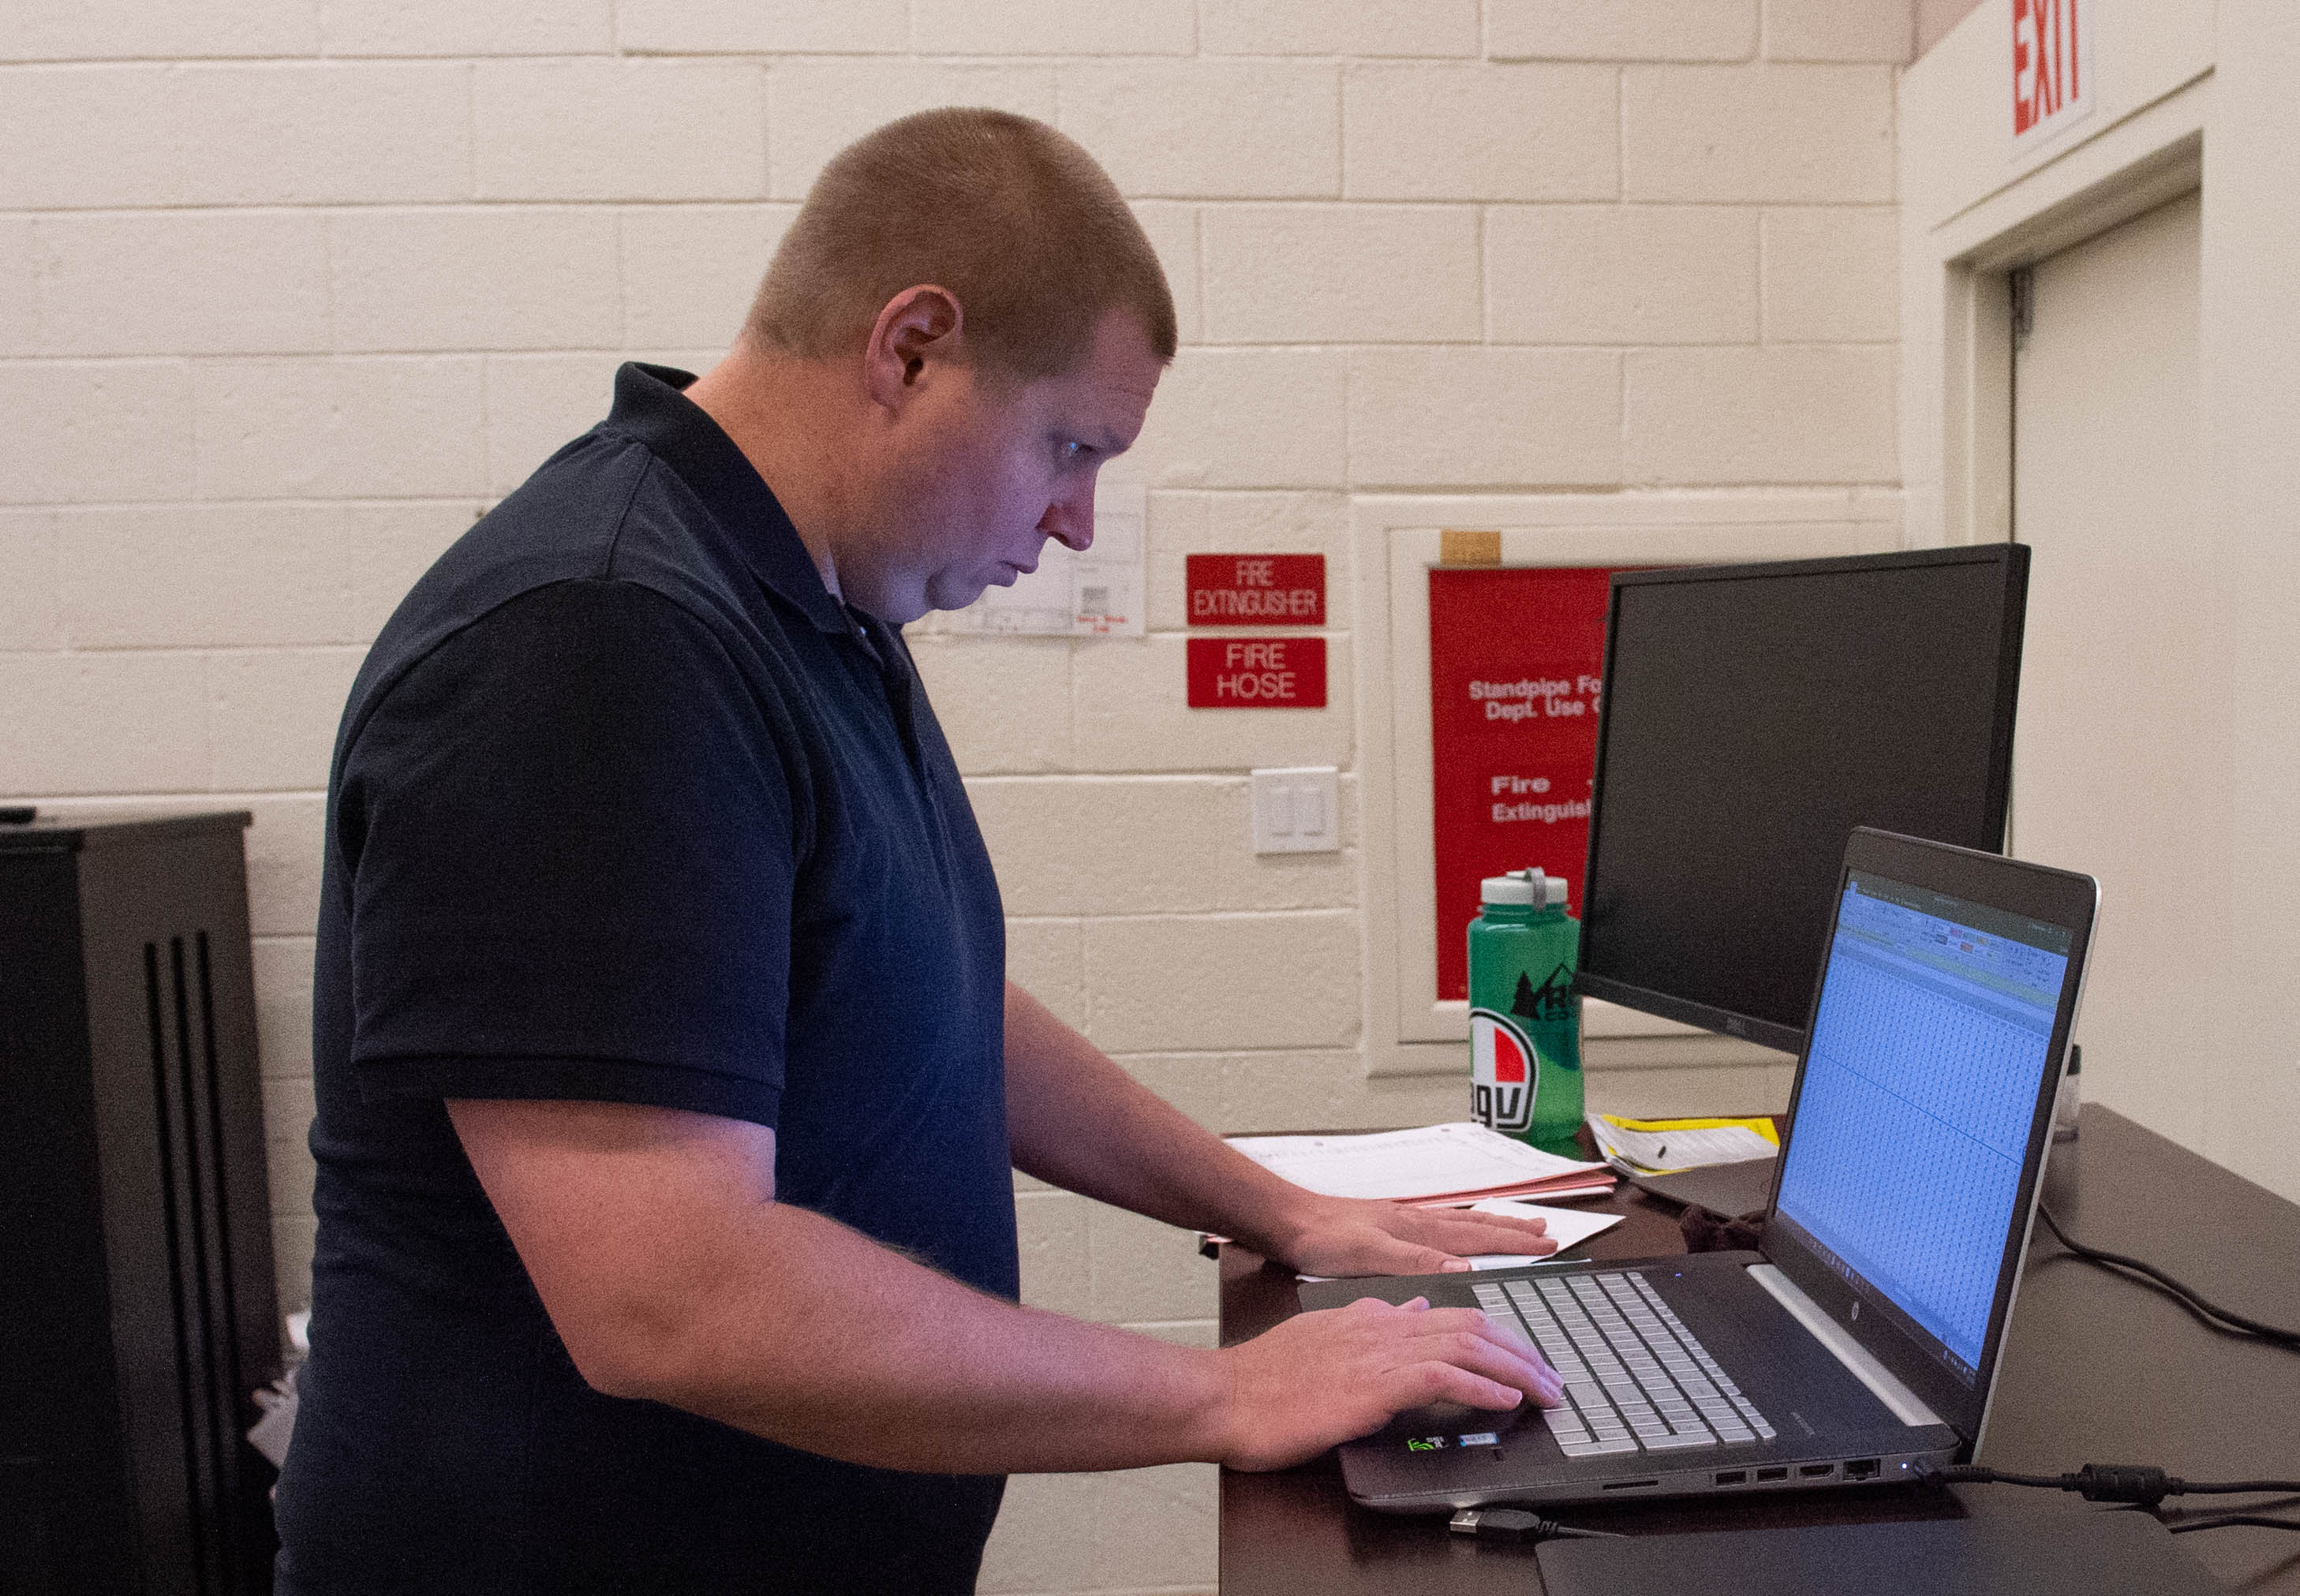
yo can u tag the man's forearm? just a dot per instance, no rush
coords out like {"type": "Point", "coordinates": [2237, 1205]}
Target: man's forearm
{"type": "Point", "coordinates": [819, 1338]}
{"type": "Point", "coordinates": [1080, 1122]}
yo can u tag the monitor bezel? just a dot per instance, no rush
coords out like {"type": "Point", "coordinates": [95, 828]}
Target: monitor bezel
{"type": "Point", "coordinates": [2014, 588]}
{"type": "Point", "coordinates": [2059, 897]}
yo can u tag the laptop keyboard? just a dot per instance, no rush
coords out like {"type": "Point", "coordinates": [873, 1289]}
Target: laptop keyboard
{"type": "Point", "coordinates": [1634, 1376]}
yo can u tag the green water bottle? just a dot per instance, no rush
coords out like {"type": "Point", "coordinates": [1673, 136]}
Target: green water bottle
{"type": "Point", "coordinates": [1525, 1023]}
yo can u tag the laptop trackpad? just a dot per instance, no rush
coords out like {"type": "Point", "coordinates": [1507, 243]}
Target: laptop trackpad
{"type": "Point", "coordinates": [2068, 1554]}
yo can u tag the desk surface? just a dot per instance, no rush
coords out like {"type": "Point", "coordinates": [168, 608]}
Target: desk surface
{"type": "Point", "coordinates": [2097, 1369]}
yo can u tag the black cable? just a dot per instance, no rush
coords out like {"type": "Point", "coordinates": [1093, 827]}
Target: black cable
{"type": "Point", "coordinates": [2219, 1318]}
{"type": "Point", "coordinates": [2232, 1520]}
{"type": "Point", "coordinates": [2132, 1483]}
{"type": "Point", "coordinates": [1515, 1523]}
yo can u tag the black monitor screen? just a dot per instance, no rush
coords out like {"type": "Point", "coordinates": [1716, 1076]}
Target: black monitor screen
{"type": "Point", "coordinates": [1751, 717]}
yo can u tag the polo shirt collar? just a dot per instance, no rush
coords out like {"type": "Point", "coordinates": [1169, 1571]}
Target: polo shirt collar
{"type": "Point", "coordinates": [650, 407]}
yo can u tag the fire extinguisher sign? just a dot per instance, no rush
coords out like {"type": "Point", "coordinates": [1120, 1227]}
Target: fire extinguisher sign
{"type": "Point", "coordinates": [2051, 67]}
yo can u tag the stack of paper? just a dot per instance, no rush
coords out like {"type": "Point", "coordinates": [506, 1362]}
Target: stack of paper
{"type": "Point", "coordinates": [1438, 1166]}
{"type": "Point", "coordinates": [1665, 1146]}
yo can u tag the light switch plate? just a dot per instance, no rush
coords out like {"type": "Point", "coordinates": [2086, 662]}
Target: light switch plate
{"type": "Point", "coordinates": [1297, 809]}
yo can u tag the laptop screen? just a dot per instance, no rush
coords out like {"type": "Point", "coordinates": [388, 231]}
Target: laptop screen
{"type": "Point", "coordinates": [1922, 1081]}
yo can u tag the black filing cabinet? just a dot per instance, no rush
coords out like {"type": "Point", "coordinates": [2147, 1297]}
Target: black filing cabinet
{"type": "Point", "coordinates": [137, 1306]}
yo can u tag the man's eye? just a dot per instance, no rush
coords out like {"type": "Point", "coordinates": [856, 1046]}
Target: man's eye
{"type": "Point", "coordinates": [1071, 449]}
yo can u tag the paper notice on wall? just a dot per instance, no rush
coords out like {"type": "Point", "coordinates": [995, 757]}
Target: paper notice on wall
{"type": "Point", "coordinates": [1097, 594]}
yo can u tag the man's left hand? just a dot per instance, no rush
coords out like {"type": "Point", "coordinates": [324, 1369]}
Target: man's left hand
{"type": "Point", "coordinates": [1341, 1235]}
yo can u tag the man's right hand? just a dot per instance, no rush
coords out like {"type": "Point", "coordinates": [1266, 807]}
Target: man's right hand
{"type": "Point", "coordinates": [1332, 1375]}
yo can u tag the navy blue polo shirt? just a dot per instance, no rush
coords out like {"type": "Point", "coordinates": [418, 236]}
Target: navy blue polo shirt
{"type": "Point", "coordinates": [627, 806]}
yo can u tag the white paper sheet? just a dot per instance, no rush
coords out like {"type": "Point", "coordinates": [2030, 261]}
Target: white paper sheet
{"type": "Point", "coordinates": [1427, 1162]}
{"type": "Point", "coordinates": [1567, 1227]}
{"type": "Point", "coordinates": [1669, 1149]}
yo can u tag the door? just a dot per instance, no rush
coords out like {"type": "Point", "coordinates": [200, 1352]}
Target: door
{"type": "Point", "coordinates": [2121, 743]}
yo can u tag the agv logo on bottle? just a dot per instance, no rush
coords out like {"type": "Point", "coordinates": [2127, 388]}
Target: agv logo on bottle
{"type": "Point", "coordinates": [1504, 1072]}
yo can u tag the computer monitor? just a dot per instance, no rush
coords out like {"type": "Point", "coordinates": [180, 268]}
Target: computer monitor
{"type": "Point", "coordinates": [1752, 716]}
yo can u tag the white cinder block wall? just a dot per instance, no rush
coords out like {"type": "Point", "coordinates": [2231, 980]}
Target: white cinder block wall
{"type": "Point", "coordinates": [291, 290]}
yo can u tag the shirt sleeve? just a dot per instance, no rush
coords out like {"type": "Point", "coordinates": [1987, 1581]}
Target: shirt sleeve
{"type": "Point", "coordinates": [570, 846]}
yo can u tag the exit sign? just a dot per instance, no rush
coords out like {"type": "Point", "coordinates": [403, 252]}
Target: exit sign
{"type": "Point", "coordinates": [2052, 66]}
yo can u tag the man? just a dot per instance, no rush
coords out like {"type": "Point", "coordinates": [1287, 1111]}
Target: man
{"type": "Point", "coordinates": [668, 1075]}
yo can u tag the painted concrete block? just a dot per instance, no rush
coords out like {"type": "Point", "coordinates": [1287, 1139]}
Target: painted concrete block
{"type": "Point", "coordinates": [275, 713]}
{"type": "Point", "coordinates": [1047, 959]}
{"type": "Point", "coordinates": [1004, 703]}
{"type": "Point", "coordinates": [690, 271]}
{"type": "Point", "coordinates": [1621, 274]}
{"type": "Point", "coordinates": [1305, 274]}
{"type": "Point", "coordinates": [1621, 29]}
{"type": "Point", "coordinates": [1247, 417]}
{"type": "Point", "coordinates": [283, 1006]}
{"type": "Point", "coordinates": [1171, 845]}
{"type": "Point", "coordinates": [389, 547]}
{"type": "Point", "coordinates": [102, 30]}
{"type": "Point", "coordinates": [1542, 417]}
{"type": "Point", "coordinates": [213, 282]}
{"type": "Point", "coordinates": [286, 846]}
{"type": "Point", "coordinates": [508, 277]}
{"type": "Point", "coordinates": [1833, 275]}
{"type": "Point", "coordinates": [1173, 230]}
{"type": "Point", "coordinates": [1773, 134]}
{"type": "Point", "coordinates": [1052, 27]}
{"type": "Point", "coordinates": [1441, 27]}
{"type": "Point", "coordinates": [380, 427]}
{"type": "Point", "coordinates": [1819, 415]}
{"type": "Point", "coordinates": [151, 705]}
{"type": "Point", "coordinates": [603, 128]}
{"type": "Point", "coordinates": [1209, 127]}
{"type": "Point", "coordinates": [1480, 132]}
{"type": "Point", "coordinates": [1291, 1089]}
{"type": "Point", "coordinates": [1186, 522]}
{"type": "Point", "coordinates": [443, 28]}
{"type": "Point", "coordinates": [1132, 714]}
{"type": "Point", "coordinates": [31, 600]}
{"type": "Point", "coordinates": [319, 132]}
{"type": "Point", "coordinates": [817, 108]}
{"type": "Point", "coordinates": [765, 28]}
{"type": "Point", "coordinates": [105, 430]}
{"type": "Point", "coordinates": [203, 576]}
{"type": "Point", "coordinates": [73, 136]}
{"type": "Point", "coordinates": [292, 1242]}
{"type": "Point", "coordinates": [1197, 983]}
{"type": "Point", "coordinates": [538, 403]}
{"type": "Point", "coordinates": [1131, 1531]}
{"type": "Point", "coordinates": [1882, 30]}
{"type": "Point", "coordinates": [1056, 1270]}
{"type": "Point", "coordinates": [1142, 1269]}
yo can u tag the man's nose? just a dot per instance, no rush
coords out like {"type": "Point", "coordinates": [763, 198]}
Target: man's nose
{"type": "Point", "coordinates": [1071, 518]}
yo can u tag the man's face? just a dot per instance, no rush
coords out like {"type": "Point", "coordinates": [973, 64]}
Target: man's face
{"type": "Point", "coordinates": [988, 470]}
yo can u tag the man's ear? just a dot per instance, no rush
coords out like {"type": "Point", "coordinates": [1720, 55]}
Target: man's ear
{"type": "Point", "coordinates": [917, 330]}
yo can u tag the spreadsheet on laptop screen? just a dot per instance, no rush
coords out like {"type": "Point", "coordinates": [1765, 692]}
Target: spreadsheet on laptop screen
{"type": "Point", "coordinates": [1921, 1083]}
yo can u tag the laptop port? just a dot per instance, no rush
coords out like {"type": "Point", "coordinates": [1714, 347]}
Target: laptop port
{"type": "Point", "coordinates": [1767, 1476]}
{"type": "Point", "coordinates": [1732, 1476]}
{"type": "Point", "coordinates": [1862, 1469]}
{"type": "Point", "coordinates": [1815, 1471]}
{"type": "Point", "coordinates": [1629, 1484]}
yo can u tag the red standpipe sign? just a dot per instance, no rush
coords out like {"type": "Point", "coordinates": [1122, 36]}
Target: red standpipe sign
{"type": "Point", "coordinates": [1257, 673]}
{"type": "Point", "coordinates": [1516, 660]}
{"type": "Point", "coordinates": [1257, 590]}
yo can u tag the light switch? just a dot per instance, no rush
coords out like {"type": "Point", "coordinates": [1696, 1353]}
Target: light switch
{"type": "Point", "coordinates": [1297, 811]}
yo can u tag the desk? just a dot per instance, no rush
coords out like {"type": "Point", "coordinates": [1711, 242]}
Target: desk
{"type": "Point", "coordinates": [2097, 1369]}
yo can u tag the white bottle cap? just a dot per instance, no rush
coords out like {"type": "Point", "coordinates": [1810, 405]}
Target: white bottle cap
{"type": "Point", "coordinates": [1524, 887]}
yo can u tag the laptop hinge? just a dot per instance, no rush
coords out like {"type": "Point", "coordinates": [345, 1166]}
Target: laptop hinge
{"type": "Point", "coordinates": [1857, 1359]}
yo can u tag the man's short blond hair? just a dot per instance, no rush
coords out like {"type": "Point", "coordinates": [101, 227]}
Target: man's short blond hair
{"type": "Point", "coordinates": [1016, 219]}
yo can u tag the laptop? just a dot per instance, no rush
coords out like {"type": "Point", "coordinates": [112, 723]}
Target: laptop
{"type": "Point", "coordinates": [1862, 1339]}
